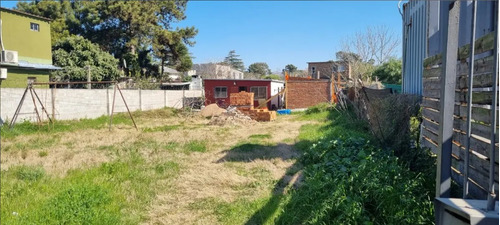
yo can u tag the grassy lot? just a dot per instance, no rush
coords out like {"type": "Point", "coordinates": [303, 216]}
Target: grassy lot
{"type": "Point", "coordinates": [175, 169]}
{"type": "Point", "coordinates": [178, 170]}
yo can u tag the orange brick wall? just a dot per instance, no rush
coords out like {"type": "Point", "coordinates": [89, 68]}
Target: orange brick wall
{"type": "Point", "coordinates": [303, 94]}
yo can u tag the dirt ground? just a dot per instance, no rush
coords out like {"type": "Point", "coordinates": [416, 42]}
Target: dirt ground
{"type": "Point", "coordinates": [220, 172]}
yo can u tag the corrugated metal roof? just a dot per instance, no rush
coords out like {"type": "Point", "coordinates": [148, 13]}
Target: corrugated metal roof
{"type": "Point", "coordinates": [27, 65]}
{"type": "Point", "coordinates": [38, 66]}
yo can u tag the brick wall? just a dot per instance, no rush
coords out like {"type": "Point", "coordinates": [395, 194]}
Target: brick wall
{"type": "Point", "coordinates": [303, 94]}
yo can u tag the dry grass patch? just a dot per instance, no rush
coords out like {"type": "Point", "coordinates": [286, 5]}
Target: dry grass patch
{"type": "Point", "coordinates": [213, 166]}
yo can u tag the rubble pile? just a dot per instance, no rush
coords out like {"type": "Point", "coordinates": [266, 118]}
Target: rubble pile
{"type": "Point", "coordinates": [243, 101]}
{"type": "Point", "coordinates": [231, 117]}
{"type": "Point", "coordinates": [241, 111]}
{"type": "Point", "coordinates": [212, 110]}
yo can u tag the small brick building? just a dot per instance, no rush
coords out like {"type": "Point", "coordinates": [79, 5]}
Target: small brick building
{"type": "Point", "coordinates": [324, 70]}
{"type": "Point", "coordinates": [305, 93]}
{"type": "Point", "coordinates": [219, 90]}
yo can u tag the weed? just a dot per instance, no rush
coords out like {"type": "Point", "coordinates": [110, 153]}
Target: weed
{"type": "Point", "coordinates": [27, 173]}
{"type": "Point", "coordinates": [196, 146]}
{"type": "Point", "coordinates": [242, 210]}
{"type": "Point", "coordinates": [364, 185]}
{"type": "Point", "coordinates": [27, 127]}
{"type": "Point", "coordinates": [167, 169]}
{"type": "Point", "coordinates": [288, 141]}
{"type": "Point", "coordinates": [171, 146]}
{"type": "Point", "coordinates": [321, 107]}
{"type": "Point", "coordinates": [81, 204]}
{"type": "Point", "coordinates": [161, 128]}
{"type": "Point", "coordinates": [24, 154]}
{"type": "Point", "coordinates": [106, 148]}
{"type": "Point", "coordinates": [260, 136]}
{"type": "Point", "coordinates": [43, 153]}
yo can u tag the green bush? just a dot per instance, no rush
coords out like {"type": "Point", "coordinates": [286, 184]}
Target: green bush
{"type": "Point", "coordinates": [321, 107]}
{"type": "Point", "coordinates": [350, 181]}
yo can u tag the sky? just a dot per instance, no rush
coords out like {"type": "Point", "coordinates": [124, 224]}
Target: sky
{"type": "Point", "coordinates": [280, 32]}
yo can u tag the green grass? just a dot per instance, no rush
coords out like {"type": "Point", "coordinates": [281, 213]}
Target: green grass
{"type": "Point", "coordinates": [117, 192]}
{"type": "Point", "coordinates": [242, 210]}
{"type": "Point", "coordinates": [39, 142]}
{"type": "Point", "coordinates": [260, 136]}
{"type": "Point", "coordinates": [26, 127]}
{"type": "Point", "coordinates": [161, 128]}
{"type": "Point", "coordinates": [195, 146]}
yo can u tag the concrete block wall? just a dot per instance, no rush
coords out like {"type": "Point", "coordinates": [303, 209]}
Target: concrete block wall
{"type": "Point", "coordinates": [306, 93]}
{"type": "Point", "coordinates": [84, 103]}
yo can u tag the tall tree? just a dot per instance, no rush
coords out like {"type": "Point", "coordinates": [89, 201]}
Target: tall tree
{"type": "Point", "coordinates": [169, 47]}
{"type": "Point", "coordinates": [347, 56]}
{"type": "Point", "coordinates": [260, 68]}
{"type": "Point", "coordinates": [389, 72]}
{"type": "Point", "coordinates": [123, 28]}
{"type": "Point", "coordinates": [76, 55]}
{"type": "Point", "coordinates": [234, 61]}
{"type": "Point", "coordinates": [291, 68]}
{"type": "Point", "coordinates": [375, 43]}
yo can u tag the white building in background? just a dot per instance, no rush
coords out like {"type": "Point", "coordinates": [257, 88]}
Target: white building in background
{"type": "Point", "coordinates": [172, 73]}
{"type": "Point", "coordinates": [217, 71]}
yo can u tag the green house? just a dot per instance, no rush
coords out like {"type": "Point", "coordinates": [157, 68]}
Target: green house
{"type": "Point", "coordinates": [26, 47]}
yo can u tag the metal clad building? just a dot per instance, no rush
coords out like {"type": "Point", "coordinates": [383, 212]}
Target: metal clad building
{"type": "Point", "coordinates": [421, 36]}
{"type": "Point", "coordinates": [414, 45]}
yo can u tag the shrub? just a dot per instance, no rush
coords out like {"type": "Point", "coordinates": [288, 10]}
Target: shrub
{"type": "Point", "coordinates": [389, 120]}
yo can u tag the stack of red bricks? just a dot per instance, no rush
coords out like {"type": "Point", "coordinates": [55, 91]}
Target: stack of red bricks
{"type": "Point", "coordinates": [244, 103]}
{"type": "Point", "coordinates": [241, 99]}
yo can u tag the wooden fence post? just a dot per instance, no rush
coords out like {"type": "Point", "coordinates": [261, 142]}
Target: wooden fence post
{"type": "Point", "coordinates": [449, 41]}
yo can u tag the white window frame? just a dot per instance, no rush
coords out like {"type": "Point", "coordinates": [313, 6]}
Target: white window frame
{"type": "Point", "coordinates": [259, 89]}
{"type": "Point", "coordinates": [35, 27]}
{"type": "Point", "coordinates": [217, 95]}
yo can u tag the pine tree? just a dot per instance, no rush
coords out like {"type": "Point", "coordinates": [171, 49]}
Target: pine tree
{"type": "Point", "coordinates": [233, 60]}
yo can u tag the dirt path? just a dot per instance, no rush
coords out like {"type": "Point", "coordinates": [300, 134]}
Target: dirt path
{"type": "Point", "coordinates": [218, 173]}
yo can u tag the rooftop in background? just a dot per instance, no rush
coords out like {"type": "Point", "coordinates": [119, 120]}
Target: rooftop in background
{"type": "Point", "coordinates": [279, 81]}
{"type": "Point", "coordinates": [25, 14]}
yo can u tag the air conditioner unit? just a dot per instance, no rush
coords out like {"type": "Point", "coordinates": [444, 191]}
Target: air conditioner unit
{"type": "Point", "coordinates": [9, 56]}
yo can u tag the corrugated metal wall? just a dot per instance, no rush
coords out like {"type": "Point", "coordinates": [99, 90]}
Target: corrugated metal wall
{"type": "Point", "coordinates": [421, 36]}
{"type": "Point", "coordinates": [414, 44]}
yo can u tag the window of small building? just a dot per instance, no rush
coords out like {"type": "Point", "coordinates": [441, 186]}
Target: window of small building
{"type": "Point", "coordinates": [220, 92]}
{"type": "Point", "coordinates": [259, 92]}
{"type": "Point", "coordinates": [35, 27]}
{"type": "Point", "coordinates": [340, 68]}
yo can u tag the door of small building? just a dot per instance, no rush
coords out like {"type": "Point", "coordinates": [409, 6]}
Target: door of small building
{"type": "Point", "coordinates": [242, 88]}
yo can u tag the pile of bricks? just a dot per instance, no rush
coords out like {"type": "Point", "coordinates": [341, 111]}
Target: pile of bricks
{"type": "Point", "coordinates": [243, 101]}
